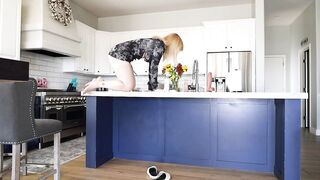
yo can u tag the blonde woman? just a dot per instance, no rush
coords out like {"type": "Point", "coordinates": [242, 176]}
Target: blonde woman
{"type": "Point", "coordinates": [149, 49]}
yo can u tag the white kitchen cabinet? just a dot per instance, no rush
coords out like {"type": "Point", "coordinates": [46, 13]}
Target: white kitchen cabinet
{"type": "Point", "coordinates": [230, 35]}
{"type": "Point", "coordinates": [84, 64]}
{"type": "Point", "coordinates": [10, 29]}
{"type": "Point", "coordinates": [102, 49]}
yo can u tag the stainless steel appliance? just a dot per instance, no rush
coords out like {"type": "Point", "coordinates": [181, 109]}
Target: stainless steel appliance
{"type": "Point", "coordinates": [219, 84]}
{"type": "Point", "coordinates": [235, 67]}
{"type": "Point", "coordinates": [68, 107]}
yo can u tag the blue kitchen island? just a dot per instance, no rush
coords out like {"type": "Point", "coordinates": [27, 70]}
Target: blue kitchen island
{"type": "Point", "coordinates": [242, 131]}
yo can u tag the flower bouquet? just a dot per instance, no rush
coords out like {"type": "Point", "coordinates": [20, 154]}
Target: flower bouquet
{"type": "Point", "coordinates": [174, 74]}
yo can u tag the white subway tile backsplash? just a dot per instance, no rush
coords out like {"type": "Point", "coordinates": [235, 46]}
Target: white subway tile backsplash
{"type": "Point", "coordinates": [54, 74]}
{"type": "Point", "coordinates": [42, 66]}
{"type": "Point", "coordinates": [37, 73]}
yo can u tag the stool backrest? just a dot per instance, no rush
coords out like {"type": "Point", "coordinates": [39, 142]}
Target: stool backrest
{"type": "Point", "coordinates": [17, 123]}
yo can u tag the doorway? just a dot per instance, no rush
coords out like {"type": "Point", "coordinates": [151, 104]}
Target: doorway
{"type": "Point", "coordinates": [305, 85]}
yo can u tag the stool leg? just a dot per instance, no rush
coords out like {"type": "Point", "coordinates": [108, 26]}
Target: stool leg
{"type": "Point", "coordinates": [25, 160]}
{"type": "Point", "coordinates": [1, 160]}
{"type": "Point", "coordinates": [56, 163]}
{"type": "Point", "coordinates": [15, 174]}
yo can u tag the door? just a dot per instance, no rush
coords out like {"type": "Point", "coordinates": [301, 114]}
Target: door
{"type": "Point", "coordinates": [216, 34]}
{"type": "Point", "coordinates": [240, 72]}
{"type": "Point", "coordinates": [87, 35]}
{"type": "Point", "coordinates": [73, 116]}
{"type": "Point", "coordinates": [102, 49]}
{"type": "Point", "coordinates": [240, 35]}
{"type": "Point", "coordinates": [52, 112]}
{"type": "Point", "coordinates": [10, 29]}
{"type": "Point", "coordinates": [275, 74]}
{"type": "Point", "coordinates": [305, 85]}
{"type": "Point", "coordinates": [218, 64]}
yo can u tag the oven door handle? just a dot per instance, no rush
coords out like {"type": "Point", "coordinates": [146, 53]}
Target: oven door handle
{"type": "Point", "coordinates": [70, 106]}
{"type": "Point", "coordinates": [54, 107]}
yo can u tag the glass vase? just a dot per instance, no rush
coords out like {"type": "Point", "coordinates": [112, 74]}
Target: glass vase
{"type": "Point", "coordinates": [175, 85]}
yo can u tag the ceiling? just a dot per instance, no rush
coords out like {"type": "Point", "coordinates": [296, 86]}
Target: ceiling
{"type": "Point", "coordinates": [284, 12]}
{"type": "Point", "coordinates": [107, 8]}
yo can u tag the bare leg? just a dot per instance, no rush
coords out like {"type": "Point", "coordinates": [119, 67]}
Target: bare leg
{"type": "Point", "coordinates": [125, 78]}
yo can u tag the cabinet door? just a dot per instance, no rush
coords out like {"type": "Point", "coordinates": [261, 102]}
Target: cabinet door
{"type": "Point", "coordinates": [240, 35]}
{"type": "Point", "coordinates": [87, 37]}
{"type": "Point", "coordinates": [234, 35]}
{"type": "Point", "coordinates": [102, 48]}
{"type": "Point", "coordinates": [216, 36]}
{"type": "Point", "coordinates": [187, 135]}
{"type": "Point", "coordinates": [138, 129]}
{"type": "Point", "coordinates": [249, 123]}
{"type": "Point", "coordinates": [10, 29]}
{"type": "Point", "coordinates": [90, 60]}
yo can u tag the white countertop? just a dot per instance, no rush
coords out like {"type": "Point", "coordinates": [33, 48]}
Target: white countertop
{"type": "Point", "coordinates": [214, 95]}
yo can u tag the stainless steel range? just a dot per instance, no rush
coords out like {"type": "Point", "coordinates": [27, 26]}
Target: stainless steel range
{"type": "Point", "coordinates": [68, 107]}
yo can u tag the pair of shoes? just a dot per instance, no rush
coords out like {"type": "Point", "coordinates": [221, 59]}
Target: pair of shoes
{"type": "Point", "coordinates": [153, 174]}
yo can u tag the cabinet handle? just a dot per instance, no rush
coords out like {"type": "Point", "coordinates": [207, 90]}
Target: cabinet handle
{"type": "Point", "coordinates": [231, 47]}
{"type": "Point", "coordinates": [145, 71]}
{"type": "Point", "coordinates": [226, 47]}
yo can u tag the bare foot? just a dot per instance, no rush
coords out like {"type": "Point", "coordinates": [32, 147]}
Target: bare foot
{"type": "Point", "coordinates": [92, 85]}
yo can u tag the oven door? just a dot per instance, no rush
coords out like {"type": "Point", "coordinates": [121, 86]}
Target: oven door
{"type": "Point", "coordinates": [74, 115]}
{"type": "Point", "coordinates": [52, 112]}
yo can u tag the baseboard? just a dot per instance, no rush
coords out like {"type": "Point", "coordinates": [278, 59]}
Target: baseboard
{"type": "Point", "coordinates": [315, 131]}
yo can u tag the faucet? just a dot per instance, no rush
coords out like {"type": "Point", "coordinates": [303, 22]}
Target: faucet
{"type": "Point", "coordinates": [195, 76]}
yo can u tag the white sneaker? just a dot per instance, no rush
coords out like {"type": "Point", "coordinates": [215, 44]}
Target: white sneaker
{"type": "Point", "coordinates": [163, 176]}
{"type": "Point", "coordinates": [152, 172]}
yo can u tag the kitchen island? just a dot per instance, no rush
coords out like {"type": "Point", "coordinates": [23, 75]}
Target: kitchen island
{"type": "Point", "coordinates": [242, 131]}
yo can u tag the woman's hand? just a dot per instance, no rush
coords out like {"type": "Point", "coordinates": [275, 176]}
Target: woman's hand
{"type": "Point", "coordinates": [92, 85]}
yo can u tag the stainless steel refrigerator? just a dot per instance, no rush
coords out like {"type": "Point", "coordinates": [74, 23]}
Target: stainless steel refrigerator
{"type": "Point", "coordinates": [235, 67]}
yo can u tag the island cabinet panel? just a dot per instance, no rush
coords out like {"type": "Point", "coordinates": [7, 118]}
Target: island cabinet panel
{"type": "Point", "coordinates": [244, 134]}
{"type": "Point", "coordinates": [187, 131]}
{"type": "Point", "coordinates": [224, 133]}
{"type": "Point", "coordinates": [138, 129]}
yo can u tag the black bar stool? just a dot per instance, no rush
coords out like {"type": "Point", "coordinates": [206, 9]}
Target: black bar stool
{"type": "Point", "coordinates": [18, 126]}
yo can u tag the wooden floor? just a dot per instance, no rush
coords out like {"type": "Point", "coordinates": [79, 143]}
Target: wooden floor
{"type": "Point", "coordinates": [310, 156]}
{"type": "Point", "coordinates": [135, 170]}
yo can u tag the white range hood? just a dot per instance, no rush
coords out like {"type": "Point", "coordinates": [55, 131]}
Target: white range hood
{"type": "Point", "coordinates": [41, 33]}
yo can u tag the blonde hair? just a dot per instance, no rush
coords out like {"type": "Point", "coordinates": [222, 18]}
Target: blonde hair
{"type": "Point", "coordinates": [173, 45]}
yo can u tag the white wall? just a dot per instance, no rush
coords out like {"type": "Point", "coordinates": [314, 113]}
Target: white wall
{"type": "Point", "coordinates": [84, 16]}
{"type": "Point", "coordinates": [171, 19]}
{"type": "Point", "coordinates": [277, 42]}
{"type": "Point", "coordinates": [305, 27]}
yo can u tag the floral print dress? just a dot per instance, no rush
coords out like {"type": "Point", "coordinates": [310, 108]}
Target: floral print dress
{"type": "Point", "coordinates": [151, 50]}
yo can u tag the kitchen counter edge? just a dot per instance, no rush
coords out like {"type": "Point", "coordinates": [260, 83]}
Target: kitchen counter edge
{"type": "Point", "coordinates": [199, 95]}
